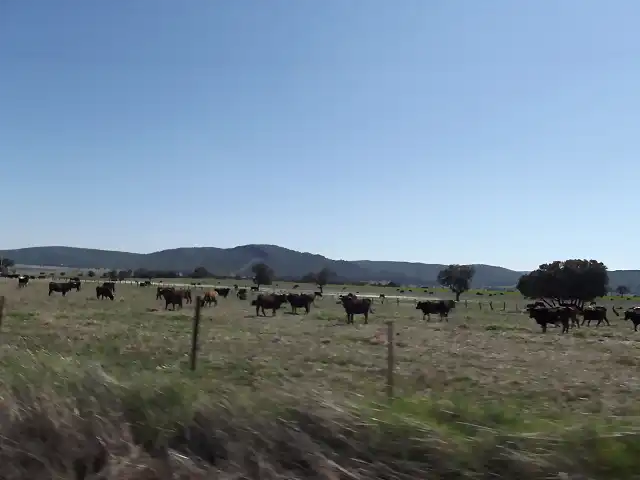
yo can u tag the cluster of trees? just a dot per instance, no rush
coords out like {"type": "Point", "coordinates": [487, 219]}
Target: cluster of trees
{"type": "Point", "coordinates": [568, 282]}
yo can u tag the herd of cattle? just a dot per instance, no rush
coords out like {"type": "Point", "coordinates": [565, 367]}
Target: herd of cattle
{"type": "Point", "coordinates": [565, 316]}
{"type": "Point", "coordinates": [568, 315]}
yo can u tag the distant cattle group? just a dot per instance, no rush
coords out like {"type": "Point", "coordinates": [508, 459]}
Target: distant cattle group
{"type": "Point", "coordinates": [566, 316]}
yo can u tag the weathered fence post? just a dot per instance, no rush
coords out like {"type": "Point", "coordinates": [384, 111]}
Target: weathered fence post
{"type": "Point", "coordinates": [1, 310]}
{"type": "Point", "coordinates": [466, 304]}
{"type": "Point", "coordinates": [491, 305]}
{"type": "Point", "coordinates": [390, 360]}
{"type": "Point", "coordinates": [480, 305]}
{"type": "Point", "coordinates": [504, 306]}
{"type": "Point", "coordinates": [194, 334]}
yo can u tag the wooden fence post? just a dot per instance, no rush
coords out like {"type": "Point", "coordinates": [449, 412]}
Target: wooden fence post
{"type": "Point", "coordinates": [390, 359]}
{"type": "Point", "coordinates": [1, 310]}
{"type": "Point", "coordinates": [504, 306]}
{"type": "Point", "coordinates": [194, 334]}
{"type": "Point", "coordinates": [466, 304]}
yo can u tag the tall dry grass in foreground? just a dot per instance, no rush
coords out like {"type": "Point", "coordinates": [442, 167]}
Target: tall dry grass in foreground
{"type": "Point", "coordinates": [61, 420]}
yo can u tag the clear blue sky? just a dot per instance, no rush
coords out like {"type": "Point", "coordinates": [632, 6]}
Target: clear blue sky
{"type": "Point", "coordinates": [502, 132]}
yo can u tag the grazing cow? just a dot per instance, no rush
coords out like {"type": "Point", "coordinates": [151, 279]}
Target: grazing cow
{"type": "Point", "coordinates": [110, 285]}
{"type": "Point", "coordinates": [171, 297]}
{"type": "Point", "coordinates": [242, 294]}
{"type": "Point", "coordinates": [271, 302]}
{"type": "Point", "coordinates": [552, 315]}
{"type": "Point", "coordinates": [223, 292]}
{"type": "Point", "coordinates": [75, 284]}
{"type": "Point", "coordinates": [209, 298]}
{"type": "Point", "coordinates": [255, 289]}
{"type": "Point", "coordinates": [382, 298]}
{"type": "Point", "coordinates": [594, 312]}
{"type": "Point", "coordinates": [63, 287]}
{"type": "Point", "coordinates": [302, 300]}
{"type": "Point", "coordinates": [317, 294]}
{"type": "Point", "coordinates": [356, 306]}
{"type": "Point", "coordinates": [23, 281]}
{"type": "Point", "coordinates": [441, 307]}
{"type": "Point", "coordinates": [104, 292]}
{"type": "Point", "coordinates": [146, 283]}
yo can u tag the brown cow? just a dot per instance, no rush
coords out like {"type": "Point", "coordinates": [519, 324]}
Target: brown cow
{"type": "Point", "coordinates": [210, 297]}
{"type": "Point", "coordinates": [171, 297]}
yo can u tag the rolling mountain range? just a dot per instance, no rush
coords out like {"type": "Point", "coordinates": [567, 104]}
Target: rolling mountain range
{"type": "Point", "coordinates": [288, 264]}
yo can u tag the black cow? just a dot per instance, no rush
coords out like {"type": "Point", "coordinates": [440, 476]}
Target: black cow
{"type": "Point", "coordinates": [242, 294]}
{"type": "Point", "coordinates": [552, 315]}
{"type": "Point", "coordinates": [356, 306]}
{"type": "Point", "coordinates": [223, 292]}
{"type": "Point", "coordinates": [23, 281]}
{"type": "Point", "coordinates": [171, 297]}
{"type": "Point", "coordinates": [104, 292]}
{"type": "Point", "coordinates": [317, 294]}
{"type": "Point", "coordinates": [271, 302]}
{"type": "Point", "coordinates": [633, 314]}
{"type": "Point", "coordinates": [255, 289]}
{"type": "Point", "coordinates": [62, 287]}
{"type": "Point", "coordinates": [75, 284]}
{"type": "Point", "coordinates": [146, 283]}
{"type": "Point", "coordinates": [110, 285]}
{"type": "Point", "coordinates": [441, 307]}
{"type": "Point", "coordinates": [594, 312]}
{"type": "Point", "coordinates": [160, 291]}
{"type": "Point", "coordinates": [382, 298]}
{"type": "Point", "coordinates": [302, 300]}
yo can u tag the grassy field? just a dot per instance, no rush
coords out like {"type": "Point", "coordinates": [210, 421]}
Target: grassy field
{"type": "Point", "coordinates": [303, 396]}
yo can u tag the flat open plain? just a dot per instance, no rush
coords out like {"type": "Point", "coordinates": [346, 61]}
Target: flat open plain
{"type": "Point", "coordinates": [484, 375]}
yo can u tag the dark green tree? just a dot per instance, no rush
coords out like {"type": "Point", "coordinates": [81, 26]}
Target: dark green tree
{"type": "Point", "coordinates": [622, 290]}
{"type": "Point", "coordinates": [323, 277]}
{"type": "Point", "coordinates": [7, 262]}
{"type": "Point", "coordinates": [569, 282]}
{"type": "Point", "coordinates": [262, 274]}
{"type": "Point", "coordinates": [91, 273]}
{"type": "Point", "coordinates": [457, 278]}
{"type": "Point", "coordinates": [200, 272]}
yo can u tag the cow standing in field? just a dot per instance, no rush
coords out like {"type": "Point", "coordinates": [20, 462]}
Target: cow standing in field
{"type": "Point", "coordinates": [223, 292]}
{"type": "Point", "coordinates": [303, 300]}
{"type": "Point", "coordinates": [356, 306]}
{"type": "Point", "coordinates": [441, 307]}
{"type": "Point", "coordinates": [23, 281]}
{"type": "Point", "coordinates": [171, 297]}
{"type": "Point", "coordinates": [594, 312]}
{"type": "Point", "coordinates": [271, 302]}
{"type": "Point", "coordinates": [242, 294]}
{"type": "Point", "coordinates": [632, 314]}
{"type": "Point", "coordinates": [62, 288]}
{"type": "Point", "coordinates": [110, 285]}
{"type": "Point", "coordinates": [553, 315]}
{"type": "Point", "coordinates": [209, 298]}
{"type": "Point", "coordinates": [104, 292]}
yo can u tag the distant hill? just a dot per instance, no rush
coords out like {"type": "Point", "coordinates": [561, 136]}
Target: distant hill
{"type": "Point", "coordinates": [286, 263]}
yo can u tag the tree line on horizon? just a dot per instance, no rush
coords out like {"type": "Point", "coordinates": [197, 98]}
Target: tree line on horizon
{"type": "Point", "coordinates": [572, 281]}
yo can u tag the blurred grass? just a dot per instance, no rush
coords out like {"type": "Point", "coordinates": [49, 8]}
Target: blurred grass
{"type": "Point", "coordinates": [482, 396]}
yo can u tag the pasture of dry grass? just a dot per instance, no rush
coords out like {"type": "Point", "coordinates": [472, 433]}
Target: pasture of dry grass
{"type": "Point", "coordinates": [302, 396]}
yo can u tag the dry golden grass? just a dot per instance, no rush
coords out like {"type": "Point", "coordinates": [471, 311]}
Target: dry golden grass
{"type": "Point", "coordinates": [300, 396]}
